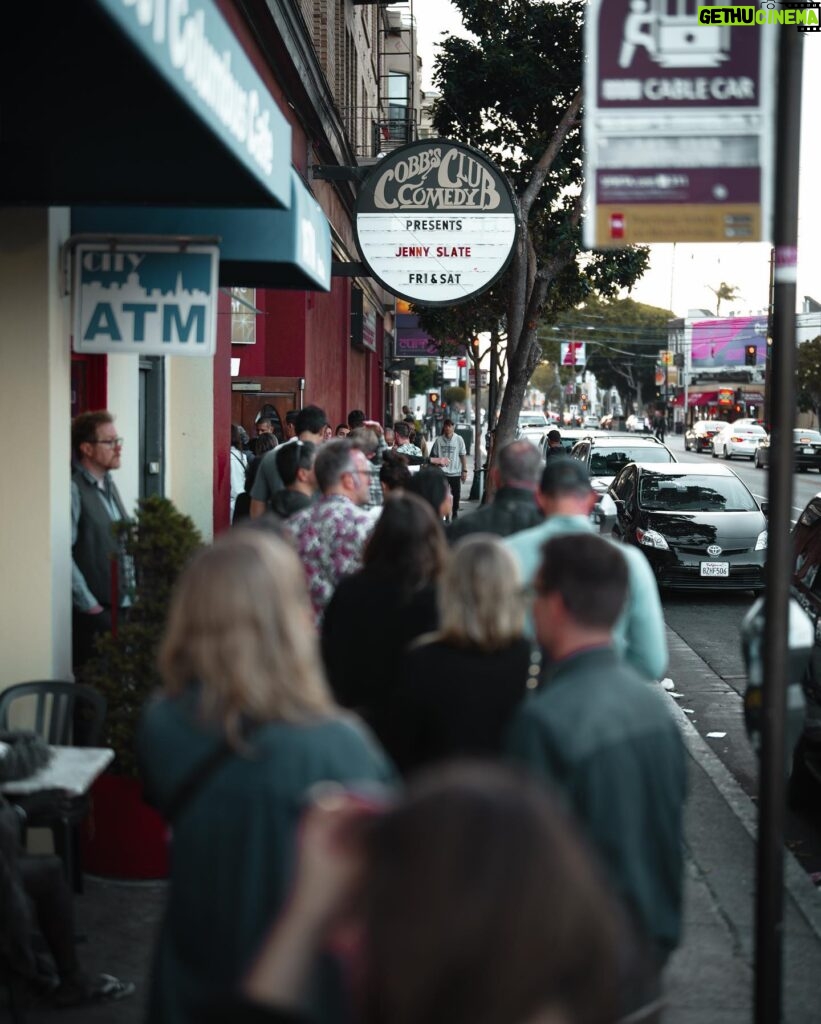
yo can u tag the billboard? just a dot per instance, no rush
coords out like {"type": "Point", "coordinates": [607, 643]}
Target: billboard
{"type": "Point", "coordinates": [679, 121]}
{"type": "Point", "coordinates": [722, 343]}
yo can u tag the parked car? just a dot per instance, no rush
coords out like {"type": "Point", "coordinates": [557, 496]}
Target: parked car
{"type": "Point", "coordinates": [699, 437]}
{"type": "Point", "coordinates": [591, 421]}
{"type": "Point", "coordinates": [806, 450]}
{"type": "Point", "coordinates": [738, 441]}
{"type": "Point", "coordinates": [608, 453]}
{"type": "Point", "coordinates": [698, 524]}
{"type": "Point", "coordinates": [805, 777]}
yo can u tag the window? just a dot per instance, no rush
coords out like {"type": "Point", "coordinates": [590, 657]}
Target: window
{"type": "Point", "coordinates": [243, 316]}
{"type": "Point", "coordinates": [398, 106]}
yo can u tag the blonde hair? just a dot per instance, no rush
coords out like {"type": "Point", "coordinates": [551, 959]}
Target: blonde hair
{"type": "Point", "coordinates": [240, 624]}
{"type": "Point", "coordinates": [480, 596]}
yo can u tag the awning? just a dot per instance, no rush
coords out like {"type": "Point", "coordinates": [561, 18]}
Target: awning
{"type": "Point", "coordinates": [122, 102]}
{"type": "Point", "coordinates": [696, 398]}
{"type": "Point", "coordinates": [258, 248]}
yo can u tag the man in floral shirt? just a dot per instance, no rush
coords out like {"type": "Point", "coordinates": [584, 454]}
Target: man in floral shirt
{"type": "Point", "coordinates": [331, 534]}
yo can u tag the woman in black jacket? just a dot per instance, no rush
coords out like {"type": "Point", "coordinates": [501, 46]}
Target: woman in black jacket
{"type": "Point", "coordinates": [375, 613]}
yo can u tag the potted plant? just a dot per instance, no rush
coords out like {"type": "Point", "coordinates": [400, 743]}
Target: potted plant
{"type": "Point", "coordinates": [124, 837]}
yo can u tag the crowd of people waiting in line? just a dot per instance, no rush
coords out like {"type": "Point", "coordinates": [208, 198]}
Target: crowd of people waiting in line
{"type": "Point", "coordinates": [415, 772]}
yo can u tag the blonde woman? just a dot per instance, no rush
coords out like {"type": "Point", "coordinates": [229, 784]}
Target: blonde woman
{"type": "Point", "coordinates": [460, 685]}
{"type": "Point", "coordinates": [244, 728]}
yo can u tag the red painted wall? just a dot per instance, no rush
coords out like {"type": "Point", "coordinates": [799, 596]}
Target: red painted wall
{"type": "Point", "coordinates": [222, 414]}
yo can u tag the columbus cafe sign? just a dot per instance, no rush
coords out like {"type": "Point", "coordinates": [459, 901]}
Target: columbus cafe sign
{"type": "Point", "coordinates": [435, 222]}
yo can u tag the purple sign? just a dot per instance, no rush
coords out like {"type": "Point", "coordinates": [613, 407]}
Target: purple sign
{"type": "Point", "coordinates": [723, 343]}
{"type": "Point", "coordinates": [411, 341]}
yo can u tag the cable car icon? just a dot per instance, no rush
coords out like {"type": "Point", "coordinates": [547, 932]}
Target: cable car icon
{"type": "Point", "coordinates": [671, 35]}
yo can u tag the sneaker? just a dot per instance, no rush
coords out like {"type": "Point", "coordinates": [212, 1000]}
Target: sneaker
{"type": "Point", "coordinates": [105, 989]}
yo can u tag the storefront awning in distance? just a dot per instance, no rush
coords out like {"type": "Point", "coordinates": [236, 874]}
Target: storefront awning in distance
{"type": "Point", "coordinates": [695, 398]}
{"type": "Point", "coordinates": [258, 248]}
{"type": "Point", "coordinates": [108, 101]}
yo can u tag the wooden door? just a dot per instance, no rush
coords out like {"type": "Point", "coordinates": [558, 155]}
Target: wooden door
{"type": "Point", "coordinates": [274, 396]}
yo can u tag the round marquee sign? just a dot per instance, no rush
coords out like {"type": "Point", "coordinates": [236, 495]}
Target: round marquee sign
{"type": "Point", "coordinates": [435, 222]}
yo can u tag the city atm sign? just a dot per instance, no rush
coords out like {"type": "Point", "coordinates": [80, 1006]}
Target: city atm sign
{"type": "Point", "coordinates": [152, 300]}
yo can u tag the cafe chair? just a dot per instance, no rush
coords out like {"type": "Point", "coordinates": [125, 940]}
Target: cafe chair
{"type": "Point", "coordinates": [65, 715]}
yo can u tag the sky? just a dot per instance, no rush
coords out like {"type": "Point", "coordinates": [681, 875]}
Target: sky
{"type": "Point", "coordinates": [679, 275]}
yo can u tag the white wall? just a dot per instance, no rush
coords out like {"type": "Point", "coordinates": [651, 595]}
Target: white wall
{"type": "Point", "coordinates": [123, 401]}
{"type": "Point", "coordinates": [35, 411]}
{"type": "Point", "coordinates": [189, 412]}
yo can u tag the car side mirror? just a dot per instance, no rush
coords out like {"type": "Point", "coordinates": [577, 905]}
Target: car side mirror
{"type": "Point", "coordinates": [764, 505]}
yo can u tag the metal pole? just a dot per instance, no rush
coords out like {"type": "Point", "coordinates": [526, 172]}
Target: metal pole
{"type": "Point", "coordinates": [769, 907]}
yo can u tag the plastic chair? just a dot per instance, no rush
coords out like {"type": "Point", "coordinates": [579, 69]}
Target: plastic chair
{"type": "Point", "coordinates": [65, 715]}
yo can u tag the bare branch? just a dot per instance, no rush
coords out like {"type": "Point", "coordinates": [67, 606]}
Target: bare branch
{"type": "Point", "coordinates": [545, 161]}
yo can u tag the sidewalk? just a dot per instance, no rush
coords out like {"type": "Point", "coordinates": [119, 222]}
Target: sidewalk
{"type": "Point", "coordinates": [709, 979]}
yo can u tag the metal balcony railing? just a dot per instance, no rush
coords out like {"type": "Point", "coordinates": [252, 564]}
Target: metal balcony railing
{"type": "Point", "coordinates": [373, 132]}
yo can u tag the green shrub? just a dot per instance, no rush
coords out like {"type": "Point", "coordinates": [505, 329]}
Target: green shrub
{"type": "Point", "coordinates": [124, 668]}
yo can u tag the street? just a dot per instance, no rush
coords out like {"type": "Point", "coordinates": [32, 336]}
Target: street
{"type": "Point", "coordinates": [710, 625]}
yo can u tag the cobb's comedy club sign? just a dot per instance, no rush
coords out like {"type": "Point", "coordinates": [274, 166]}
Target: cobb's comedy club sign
{"type": "Point", "coordinates": [146, 299]}
{"type": "Point", "coordinates": [435, 222]}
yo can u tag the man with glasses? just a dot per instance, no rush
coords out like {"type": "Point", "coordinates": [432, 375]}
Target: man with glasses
{"type": "Point", "coordinates": [330, 535]}
{"type": "Point", "coordinates": [95, 507]}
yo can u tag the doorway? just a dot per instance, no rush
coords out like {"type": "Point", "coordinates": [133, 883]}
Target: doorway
{"type": "Point", "coordinates": [152, 426]}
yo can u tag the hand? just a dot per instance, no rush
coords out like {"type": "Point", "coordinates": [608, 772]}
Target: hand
{"type": "Point", "coordinates": [94, 610]}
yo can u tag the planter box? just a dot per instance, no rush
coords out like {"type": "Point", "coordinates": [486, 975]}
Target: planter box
{"type": "Point", "coordinates": [123, 837]}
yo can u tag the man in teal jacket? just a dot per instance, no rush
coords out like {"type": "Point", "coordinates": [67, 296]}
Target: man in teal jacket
{"type": "Point", "coordinates": [566, 499]}
{"type": "Point", "coordinates": [606, 739]}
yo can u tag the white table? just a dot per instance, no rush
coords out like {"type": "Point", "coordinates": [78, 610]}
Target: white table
{"type": "Point", "coordinates": [72, 769]}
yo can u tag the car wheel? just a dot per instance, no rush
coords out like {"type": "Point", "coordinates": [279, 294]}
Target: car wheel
{"type": "Point", "coordinates": [714, 453]}
{"type": "Point", "coordinates": [726, 456]}
{"type": "Point", "coordinates": [756, 461]}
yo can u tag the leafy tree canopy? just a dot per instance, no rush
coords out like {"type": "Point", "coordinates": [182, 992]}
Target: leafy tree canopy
{"type": "Point", "coordinates": [808, 376]}
{"type": "Point", "coordinates": [524, 67]}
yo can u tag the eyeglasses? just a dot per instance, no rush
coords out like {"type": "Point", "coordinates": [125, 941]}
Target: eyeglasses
{"type": "Point", "coordinates": [112, 442]}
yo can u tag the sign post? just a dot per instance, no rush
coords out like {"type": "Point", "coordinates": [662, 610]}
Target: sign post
{"type": "Point", "coordinates": [678, 126]}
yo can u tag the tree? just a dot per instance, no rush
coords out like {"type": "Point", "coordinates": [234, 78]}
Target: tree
{"type": "Point", "coordinates": [808, 376]}
{"type": "Point", "coordinates": [623, 341]}
{"type": "Point", "coordinates": [424, 378]}
{"type": "Point", "coordinates": [724, 293]}
{"type": "Point", "coordinates": [525, 64]}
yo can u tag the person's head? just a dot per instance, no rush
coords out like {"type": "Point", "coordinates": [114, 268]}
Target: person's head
{"type": "Point", "coordinates": [394, 474]}
{"type": "Point", "coordinates": [430, 483]}
{"type": "Point", "coordinates": [342, 469]}
{"type": "Point", "coordinates": [365, 440]}
{"type": "Point", "coordinates": [402, 432]}
{"type": "Point", "coordinates": [503, 919]}
{"type": "Point", "coordinates": [263, 443]}
{"type": "Point", "coordinates": [327, 432]}
{"type": "Point", "coordinates": [356, 418]}
{"type": "Point", "coordinates": [290, 423]}
{"type": "Point", "coordinates": [554, 438]}
{"type": "Point", "coordinates": [447, 428]}
{"type": "Point", "coordinates": [390, 436]}
{"type": "Point", "coordinates": [407, 543]}
{"type": "Point", "coordinates": [580, 591]}
{"type": "Point", "coordinates": [95, 443]}
{"type": "Point", "coordinates": [309, 423]}
{"type": "Point", "coordinates": [565, 488]}
{"type": "Point", "coordinates": [264, 426]}
{"type": "Point", "coordinates": [342, 430]}
{"type": "Point", "coordinates": [518, 465]}
{"type": "Point", "coordinates": [295, 463]}
{"type": "Point", "coordinates": [236, 436]}
{"type": "Point", "coordinates": [406, 410]}
{"type": "Point", "coordinates": [240, 626]}
{"type": "Point", "coordinates": [480, 595]}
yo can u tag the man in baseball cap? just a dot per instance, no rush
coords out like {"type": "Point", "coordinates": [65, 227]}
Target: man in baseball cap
{"type": "Point", "coordinates": [566, 498]}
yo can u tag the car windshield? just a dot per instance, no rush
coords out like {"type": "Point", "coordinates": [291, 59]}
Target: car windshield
{"type": "Point", "coordinates": [694, 493]}
{"type": "Point", "coordinates": [608, 461]}
{"type": "Point", "coordinates": [531, 419]}
{"type": "Point", "coordinates": [813, 436]}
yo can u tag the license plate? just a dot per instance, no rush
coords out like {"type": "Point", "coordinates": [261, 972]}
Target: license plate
{"type": "Point", "coordinates": [715, 568]}
{"type": "Point", "coordinates": [809, 451]}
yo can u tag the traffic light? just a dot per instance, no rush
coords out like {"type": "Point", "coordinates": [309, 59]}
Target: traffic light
{"type": "Point", "coordinates": [750, 355]}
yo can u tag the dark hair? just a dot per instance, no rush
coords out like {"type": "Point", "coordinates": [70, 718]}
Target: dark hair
{"type": "Point", "coordinates": [291, 415]}
{"type": "Point", "coordinates": [447, 423]}
{"type": "Point", "coordinates": [356, 417]}
{"type": "Point", "coordinates": [236, 436]}
{"type": "Point", "coordinates": [292, 457]}
{"type": "Point", "coordinates": [340, 426]}
{"type": "Point", "coordinates": [401, 428]}
{"type": "Point", "coordinates": [503, 916]}
{"type": "Point", "coordinates": [590, 574]}
{"type": "Point", "coordinates": [408, 542]}
{"type": "Point", "coordinates": [263, 443]}
{"type": "Point", "coordinates": [264, 419]}
{"type": "Point", "coordinates": [519, 462]}
{"type": "Point", "coordinates": [333, 460]}
{"type": "Point", "coordinates": [394, 472]}
{"type": "Point", "coordinates": [84, 428]}
{"type": "Point", "coordinates": [554, 436]}
{"type": "Point", "coordinates": [311, 419]}
{"type": "Point", "coordinates": [429, 483]}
